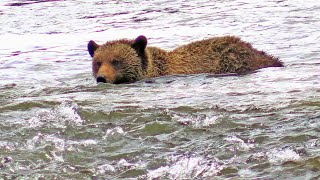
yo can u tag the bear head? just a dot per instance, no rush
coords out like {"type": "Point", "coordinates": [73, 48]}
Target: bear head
{"type": "Point", "coordinates": [120, 61]}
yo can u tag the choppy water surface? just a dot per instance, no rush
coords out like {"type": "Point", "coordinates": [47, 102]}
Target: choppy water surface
{"type": "Point", "coordinates": [56, 122]}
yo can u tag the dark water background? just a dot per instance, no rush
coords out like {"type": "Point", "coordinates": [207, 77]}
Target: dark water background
{"type": "Point", "coordinates": [56, 122]}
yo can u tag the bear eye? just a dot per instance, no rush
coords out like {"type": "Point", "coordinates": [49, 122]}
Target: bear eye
{"type": "Point", "coordinates": [98, 63]}
{"type": "Point", "coordinates": [116, 62]}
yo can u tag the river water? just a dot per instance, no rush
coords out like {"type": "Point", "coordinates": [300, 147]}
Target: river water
{"type": "Point", "coordinates": [57, 123]}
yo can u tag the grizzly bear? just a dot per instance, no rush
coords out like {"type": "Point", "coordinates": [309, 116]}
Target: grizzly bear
{"type": "Point", "coordinates": [126, 61]}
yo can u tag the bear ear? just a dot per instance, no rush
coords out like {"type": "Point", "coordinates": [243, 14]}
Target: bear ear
{"type": "Point", "coordinates": [140, 44]}
{"type": "Point", "coordinates": [92, 47]}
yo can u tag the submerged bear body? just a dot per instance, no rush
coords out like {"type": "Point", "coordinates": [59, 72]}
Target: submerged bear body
{"type": "Point", "coordinates": [126, 61]}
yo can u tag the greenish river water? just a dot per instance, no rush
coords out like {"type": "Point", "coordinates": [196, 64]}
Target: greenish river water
{"type": "Point", "coordinates": [56, 122]}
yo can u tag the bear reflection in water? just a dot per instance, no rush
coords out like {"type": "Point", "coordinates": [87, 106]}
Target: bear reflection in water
{"type": "Point", "coordinates": [126, 61]}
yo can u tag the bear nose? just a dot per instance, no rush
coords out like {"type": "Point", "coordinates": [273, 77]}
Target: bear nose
{"type": "Point", "coordinates": [101, 79]}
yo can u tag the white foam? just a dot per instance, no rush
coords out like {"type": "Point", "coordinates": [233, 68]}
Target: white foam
{"type": "Point", "coordinates": [114, 132]}
{"type": "Point", "coordinates": [197, 121]}
{"type": "Point", "coordinates": [281, 156]}
{"type": "Point", "coordinates": [103, 169]}
{"type": "Point", "coordinates": [187, 168]}
{"type": "Point", "coordinates": [66, 112]}
{"type": "Point", "coordinates": [241, 145]}
{"type": "Point", "coordinates": [8, 146]}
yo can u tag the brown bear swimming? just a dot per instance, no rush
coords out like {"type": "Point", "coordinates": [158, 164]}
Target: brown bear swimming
{"type": "Point", "coordinates": [126, 61]}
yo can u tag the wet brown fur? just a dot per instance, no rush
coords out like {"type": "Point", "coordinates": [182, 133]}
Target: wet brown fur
{"type": "Point", "coordinates": [227, 54]}
{"type": "Point", "coordinates": [122, 61]}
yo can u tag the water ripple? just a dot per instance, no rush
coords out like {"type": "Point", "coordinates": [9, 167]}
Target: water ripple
{"type": "Point", "coordinates": [57, 123]}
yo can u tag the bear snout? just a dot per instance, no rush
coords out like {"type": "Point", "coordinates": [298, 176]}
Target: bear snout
{"type": "Point", "coordinates": [101, 79]}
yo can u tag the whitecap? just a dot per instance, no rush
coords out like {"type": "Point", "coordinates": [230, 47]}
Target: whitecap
{"type": "Point", "coordinates": [65, 113]}
{"type": "Point", "coordinates": [197, 121]}
{"type": "Point", "coordinates": [281, 156]}
{"type": "Point", "coordinates": [105, 168]}
{"type": "Point", "coordinates": [240, 144]}
{"type": "Point", "coordinates": [113, 132]}
{"type": "Point", "coordinates": [187, 168]}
